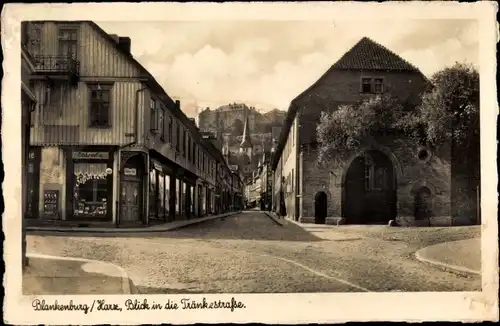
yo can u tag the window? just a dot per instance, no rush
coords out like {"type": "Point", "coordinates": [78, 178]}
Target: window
{"type": "Point", "coordinates": [378, 85]}
{"type": "Point", "coordinates": [100, 105]}
{"type": "Point", "coordinates": [68, 42]}
{"type": "Point", "coordinates": [184, 142]}
{"type": "Point", "coordinates": [91, 190]}
{"type": "Point", "coordinates": [170, 125]}
{"type": "Point", "coordinates": [366, 85]}
{"type": "Point", "coordinates": [153, 123]}
{"type": "Point", "coordinates": [189, 149]}
{"type": "Point", "coordinates": [161, 118]}
{"type": "Point", "coordinates": [177, 137]}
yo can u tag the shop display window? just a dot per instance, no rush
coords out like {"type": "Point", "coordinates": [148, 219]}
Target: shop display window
{"type": "Point", "coordinates": [91, 190]}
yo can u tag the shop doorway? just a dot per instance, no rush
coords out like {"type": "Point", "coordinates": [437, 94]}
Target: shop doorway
{"type": "Point", "coordinates": [131, 194]}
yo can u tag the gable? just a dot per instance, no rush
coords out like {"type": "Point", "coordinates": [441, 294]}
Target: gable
{"type": "Point", "coordinates": [112, 62]}
{"type": "Point", "coordinates": [370, 55]}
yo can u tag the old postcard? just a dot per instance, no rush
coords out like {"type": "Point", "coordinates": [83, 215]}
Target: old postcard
{"type": "Point", "coordinates": [249, 162]}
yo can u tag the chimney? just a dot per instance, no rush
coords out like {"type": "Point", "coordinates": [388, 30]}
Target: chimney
{"type": "Point", "coordinates": [115, 37]}
{"type": "Point", "coordinates": [125, 43]}
{"type": "Point", "coordinates": [178, 104]}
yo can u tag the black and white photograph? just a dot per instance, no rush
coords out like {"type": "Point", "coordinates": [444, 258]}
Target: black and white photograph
{"type": "Point", "coordinates": [249, 162]}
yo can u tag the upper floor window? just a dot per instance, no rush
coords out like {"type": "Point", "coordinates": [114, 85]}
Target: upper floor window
{"type": "Point", "coordinates": [177, 137]}
{"type": "Point", "coordinates": [170, 126]}
{"type": "Point", "coordinates": [372, 85]}
{"type": "Point", "coordinates": [378, 85]}
{"type": "Point", "coordinates": [68, 41]}
{"type": "Point", "coordinates": [161, 120]}
{"type": "Point", "coordinates": [100, 105]}
{"type": "Point", "coordinates": [189, 149]}
{"type": "Point", "coordinates": [153, 123]}
{"type": "Point", "coordinates": [184, 143]}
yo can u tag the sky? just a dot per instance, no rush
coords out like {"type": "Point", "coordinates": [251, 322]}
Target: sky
{"type": "Point", "coordinates": [266, 64]}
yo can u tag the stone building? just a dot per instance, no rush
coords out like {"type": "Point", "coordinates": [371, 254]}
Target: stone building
{"type": "Point", "coordinates": [389, 179]}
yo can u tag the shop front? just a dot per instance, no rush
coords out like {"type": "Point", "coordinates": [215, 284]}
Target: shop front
{"type": "Point", "coordinates": [185, 203]}
{"type": "Point", "coordinates": [162, 197]}
{"type": "Point", "coordinates": [89, 190]}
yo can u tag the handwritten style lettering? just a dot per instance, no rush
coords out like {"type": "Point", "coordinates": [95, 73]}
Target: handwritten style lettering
{"type": "Point", "coordinates": [41, 305]}
{"type": "Point", "coordinates": [192, 304]}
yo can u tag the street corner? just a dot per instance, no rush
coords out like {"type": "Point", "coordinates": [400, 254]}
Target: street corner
{"type": "Point", "coordinates": [48, 274]}
{"type": "Point", "coordinates": [462, 256]}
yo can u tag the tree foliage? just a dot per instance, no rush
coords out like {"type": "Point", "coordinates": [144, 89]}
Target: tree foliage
{"type": "Point", "coordinates": [349, 127]}
{"type": "Point", "coordinates": [449, 110]}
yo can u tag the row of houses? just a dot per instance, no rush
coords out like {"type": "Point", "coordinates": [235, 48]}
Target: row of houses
{"type": "Point", "coordinates": [390, 178]}
{"type": "Point", "coordinates": [107, 144]}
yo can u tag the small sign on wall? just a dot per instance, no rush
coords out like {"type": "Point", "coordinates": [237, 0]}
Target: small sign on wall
{"type": "Point", "coordinates": [90, 155]}
{"type": "Point", "coordinates": [128, 171]}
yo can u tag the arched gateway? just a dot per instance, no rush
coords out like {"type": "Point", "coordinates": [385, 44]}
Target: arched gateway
{"type": "Point", "coordinates": [369, 193]}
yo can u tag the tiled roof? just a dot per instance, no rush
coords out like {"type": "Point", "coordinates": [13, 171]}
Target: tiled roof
{"type": "Point", "coordinates": [369, 55]}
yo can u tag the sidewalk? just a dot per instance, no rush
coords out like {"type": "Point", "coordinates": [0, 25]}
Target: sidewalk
{"type": "Point", "coordinates": [51, 275]}
{"type": "Point", "coordinates": [156, 228]}
{"type": "Point", "coordinates": [461, 256]}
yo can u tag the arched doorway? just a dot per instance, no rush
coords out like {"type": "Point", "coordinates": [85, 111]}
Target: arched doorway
{"type": "Point", "coordinates": [131, 194]}
{"type": "Point", "coordinates": [369, 190]}
{"type": "Point", "coordinates": [320, 208]}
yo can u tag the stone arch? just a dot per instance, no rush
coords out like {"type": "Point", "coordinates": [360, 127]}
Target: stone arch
{"type": "Point", "coordinates": [320, 207]}
{"type": "Point", "coordinates": [398, 170]}
{"type": "Point", "coordinates": [423, 194]}
{"type": "Point", "coordinates": [369, 188]}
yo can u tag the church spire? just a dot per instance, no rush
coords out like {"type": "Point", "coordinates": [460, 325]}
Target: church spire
{"type": "Point", "coordinates": [246, 142]}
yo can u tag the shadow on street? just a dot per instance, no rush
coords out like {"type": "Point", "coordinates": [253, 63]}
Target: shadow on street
{"type": "Point", "coordinates": [249, 225]}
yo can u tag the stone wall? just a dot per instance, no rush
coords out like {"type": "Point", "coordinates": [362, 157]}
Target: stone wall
{"type": "Point", "coordinates": [412, 172]}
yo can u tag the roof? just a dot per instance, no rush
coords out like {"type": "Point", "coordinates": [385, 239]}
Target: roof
{"type": "Point", "coordinates": [370, 55]}
{"type": "Point", "coordinates": [366, 54]}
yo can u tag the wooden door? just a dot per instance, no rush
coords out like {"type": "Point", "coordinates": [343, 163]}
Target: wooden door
{"type": "Point", "coordinates": [354, 191]}
{"type": "Point", "coordinates": [131, 202]}
{"type": "Point", "coordinates": [320, 207]}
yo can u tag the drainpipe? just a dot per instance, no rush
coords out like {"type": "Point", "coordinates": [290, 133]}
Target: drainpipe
{"type": "Point", "coordinates": [136, 119]}
{"type": "Point", "coordinates": [136, 137]}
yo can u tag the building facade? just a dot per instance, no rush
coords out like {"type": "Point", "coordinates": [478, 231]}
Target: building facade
{"type": "Point", "coordinates": [108, 144]}
{"type": "Point", "coordinates": [389, 179]}
{"type": "Point", "coordinates": [28, 106]}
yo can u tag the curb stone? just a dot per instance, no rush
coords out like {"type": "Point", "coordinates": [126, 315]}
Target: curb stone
{"type": "Point", "coordinates": [275, 220]}
{"type": "Point", "coordinates": [162, 228]}
{"type": "Point", "coordinates": [127, 283]}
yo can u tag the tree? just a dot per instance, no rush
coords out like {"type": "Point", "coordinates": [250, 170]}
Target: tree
{"type": "Point", "coordinates": [349, 127]}
{"type": "Point", "coordinates": [451, 109]}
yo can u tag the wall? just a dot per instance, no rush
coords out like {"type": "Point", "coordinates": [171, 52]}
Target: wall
{"type": "Point", "coordinates": [342, 87]}
{"type": "Point", "coordinates": [289, 171]}
{"type": "Point", "coordinates": [97, 55]}
{"type": "Point", "coordinates": [63, 116]}
{"type": "Point", "coordinates": [434, 173]}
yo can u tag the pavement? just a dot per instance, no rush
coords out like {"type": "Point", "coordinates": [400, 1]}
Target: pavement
{"type": "Point", "coordinates": [460, 256]}
{"type": "Point", "coordinates": [170, 226]}
{"type": "Point", "coordinates": [54, 275]}
{"type": "Point", "coordinates": [250, 253]}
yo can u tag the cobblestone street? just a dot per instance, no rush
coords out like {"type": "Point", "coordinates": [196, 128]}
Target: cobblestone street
{"type": "Point", "coordinates": [248, 252]}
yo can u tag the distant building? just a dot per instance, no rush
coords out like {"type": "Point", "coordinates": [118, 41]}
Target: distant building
{"type": "Point", "coordinates": [389, 179]}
